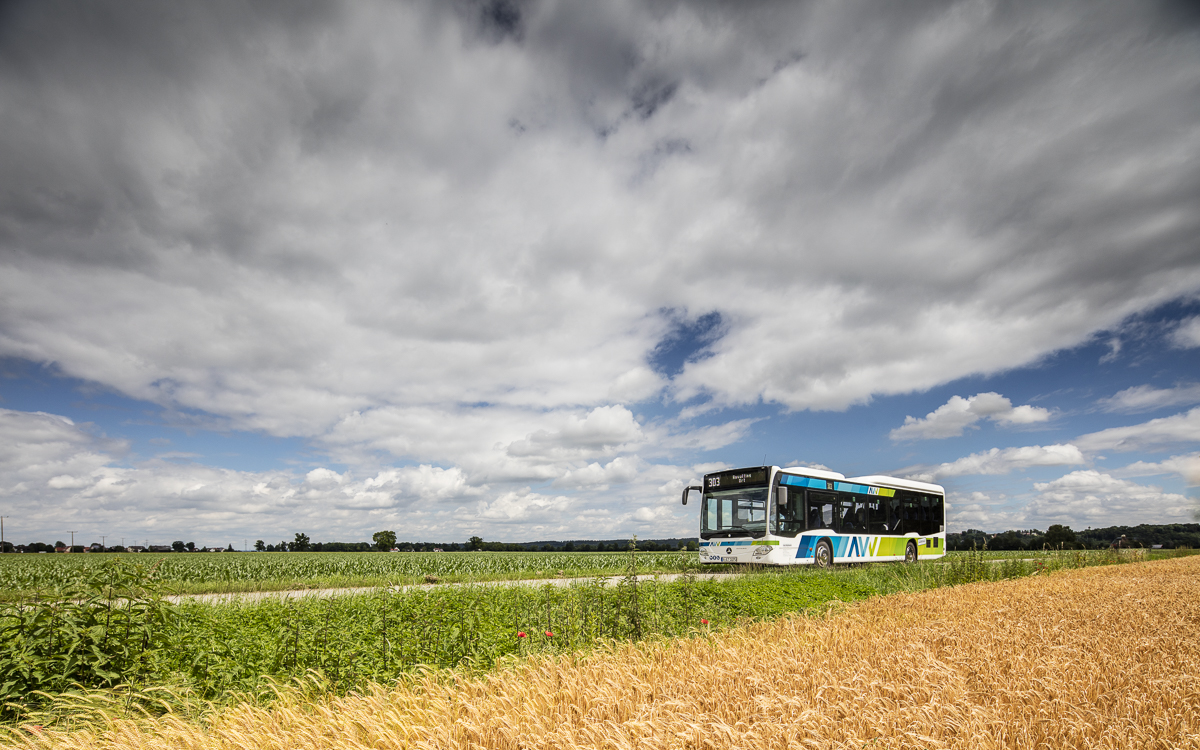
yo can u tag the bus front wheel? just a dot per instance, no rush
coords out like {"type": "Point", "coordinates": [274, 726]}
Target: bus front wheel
{"type": "Point", "coordinates": [823, 557]}
{"type": "Point", "coordinates": [910, 553]}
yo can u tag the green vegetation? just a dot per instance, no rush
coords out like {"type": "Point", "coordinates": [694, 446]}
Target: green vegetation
{"type": "Point", "coordinates": [1169, 536]}
{"type": "Point", "coordinates": [109, 635]}
{"type": "Point", "coordinates": [257, 571]}
{"type": "Point", "coordinates": [109, 627]}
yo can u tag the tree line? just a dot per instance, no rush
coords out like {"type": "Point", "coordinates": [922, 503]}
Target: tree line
{"type": "Point", "coordinates": [1169, 536]}
{"type": "Point", "coordinates": [385, 541]}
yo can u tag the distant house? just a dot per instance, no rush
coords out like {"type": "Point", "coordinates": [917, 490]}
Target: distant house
{"type": "Point", "coordinates": [135, 548]}
{"type": "Point", "coordinates": [94, 548]}
{"type": "Point", "coordinates": [160, 548]}
{"type": "Point", "coordinates": [214, 549]}
{"type": "Point", "coordinates": [62, 548]}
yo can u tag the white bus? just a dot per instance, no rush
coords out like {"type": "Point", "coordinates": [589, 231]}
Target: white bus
{"type": "Point", "coordinates": [801, 516]}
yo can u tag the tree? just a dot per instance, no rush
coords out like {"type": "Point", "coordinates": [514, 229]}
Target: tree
{"type": "Point", "coordinates": [191, 546]}
{"type": "Point", "coordinates": [1058, 535]}
{"type": "Point", "coordinates": [283, 547]}
{"type": "Point", "coordinates": [475, 542]}
{"type": "Point", "coordinates": [301, 544]}
{"type": "Point", "coordinates": [384, 540]}
{"type": "Point", "coordinates": [178, 546]}
{"type": "Point", "coordinates": [260, 545]}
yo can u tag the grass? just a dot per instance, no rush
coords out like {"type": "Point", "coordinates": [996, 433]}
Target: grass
{"type": "Point", "coordinates": [1100, 657]}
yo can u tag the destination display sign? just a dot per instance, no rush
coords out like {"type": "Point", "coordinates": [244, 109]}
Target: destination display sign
{"type": "Point", "coordinates": [727, 480]}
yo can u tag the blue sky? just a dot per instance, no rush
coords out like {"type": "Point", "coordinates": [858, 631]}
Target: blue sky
{"type": "Point", "coordinates": [526, 269]}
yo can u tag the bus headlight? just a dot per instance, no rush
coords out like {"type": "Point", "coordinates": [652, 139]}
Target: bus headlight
{"type": "Point", "coordinates": [704, 551]}
{"type": "Point", "coordinates": [761, 551]}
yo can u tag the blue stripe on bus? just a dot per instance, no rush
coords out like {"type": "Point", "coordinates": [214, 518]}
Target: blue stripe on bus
{"type": "Point", "coordinates": [724, 544]}
{"type": "Point", "coordinates": [795, 481]}
{"type": "Point", "coordinates": [854, 546]}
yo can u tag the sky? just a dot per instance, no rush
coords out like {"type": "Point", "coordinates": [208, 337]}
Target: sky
{"type": "Point", "coordinates": [525, 270]}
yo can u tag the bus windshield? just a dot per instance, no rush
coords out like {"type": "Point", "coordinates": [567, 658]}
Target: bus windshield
{"type": "Point", "coordinates": [737, 512]}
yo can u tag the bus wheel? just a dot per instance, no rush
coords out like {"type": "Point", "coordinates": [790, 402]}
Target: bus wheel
{"type": "Point", "coordinates": [910, 553]}
{"type": "Point", "coordinates": [823, 557]}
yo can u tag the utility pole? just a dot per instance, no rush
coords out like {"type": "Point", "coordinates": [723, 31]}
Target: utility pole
{"type": "Point", "coordinates": [2, 547]}
{"type": "Point", "coordinates": [72, 533]}
{"type": "Point", "coordinates": [101, 542]}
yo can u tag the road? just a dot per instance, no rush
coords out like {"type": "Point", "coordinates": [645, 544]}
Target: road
{"type": "Point", "coordinates": [254, 596]}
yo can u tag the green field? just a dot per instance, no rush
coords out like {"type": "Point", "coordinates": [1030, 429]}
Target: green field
{"type": "Point", "coordinates": [109, 624]}
{"type": "Point", "coordinates": [199, 573]}
{"type": "Point", "coordinates": [230, 572]}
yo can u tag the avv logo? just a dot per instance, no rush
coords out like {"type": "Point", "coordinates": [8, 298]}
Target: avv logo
{"type": "Point", "coordinates": [859, 546]}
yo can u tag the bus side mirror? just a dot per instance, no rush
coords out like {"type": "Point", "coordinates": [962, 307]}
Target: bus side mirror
{"type": "Point", "coordinates": [686, 490]}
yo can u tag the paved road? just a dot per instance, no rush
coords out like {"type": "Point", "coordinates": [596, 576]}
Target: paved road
{"type": "Point", "coordinates": [253, 596]}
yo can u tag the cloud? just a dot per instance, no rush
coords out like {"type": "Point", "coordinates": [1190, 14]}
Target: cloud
{"type": "Point", "coordinates": [957, 414]}
{"type": "Point", "coordinates": [981, 510]}
{"type": "Point", "coordinates": [437, 216]}
{"type": "Point", "coordinates": [1187, 334]}
{"type": "Point", "coordinates": [1096, 499]}
{"type": "Point", "coordinates": [1001, 461]}
{"type": "Point", "coordinates": [605, 430]}
{"type": "Point", "coordinates": [1187, 466]}
{"type": "Point", "coordinates": [409, 236]}
{"type": "Point", "coordinates": [1148, 398]}
{"type": "Point", "coordinates": [62, 475]}
{"type": "Point", "coordinates": [1180, 428]}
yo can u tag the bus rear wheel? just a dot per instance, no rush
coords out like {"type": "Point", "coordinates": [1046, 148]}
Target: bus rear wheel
{"type": "Point", "coordinates": [823, 557]}
{"type": "Point", "coordinates": [910, 553]}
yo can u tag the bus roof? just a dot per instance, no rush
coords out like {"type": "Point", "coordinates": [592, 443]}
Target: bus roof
{"type": "Point", "coordinates": [899, 484]}
{"type": "Point", "coordinates": [817, 473]}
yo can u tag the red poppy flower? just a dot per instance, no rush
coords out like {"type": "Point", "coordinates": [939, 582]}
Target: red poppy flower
{"type": "Point", "coordinates": [549, 634]}
{"type": "Point", "coordinates": [521, 634]}
{"type": "Point", "coordinates": [704, 622]}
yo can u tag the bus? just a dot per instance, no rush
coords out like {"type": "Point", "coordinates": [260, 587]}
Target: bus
{"type": "Point", "coordinates": [803, 516]}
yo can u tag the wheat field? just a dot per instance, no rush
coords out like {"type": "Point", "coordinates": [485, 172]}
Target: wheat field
{"type": "Point", "coordinates": [1092, 658]}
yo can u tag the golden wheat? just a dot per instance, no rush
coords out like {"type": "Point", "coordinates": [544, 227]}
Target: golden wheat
{"type": "Point", "coordinates": [1094, 658]}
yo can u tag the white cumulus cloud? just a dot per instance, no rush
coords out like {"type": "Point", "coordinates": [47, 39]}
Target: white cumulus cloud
{"type": "Point", "coordinates": [1001, 461]}
{"type": "Point", "coordinates": [957, 414]}
{"type": "Point", "coordinates": [1092, 498]}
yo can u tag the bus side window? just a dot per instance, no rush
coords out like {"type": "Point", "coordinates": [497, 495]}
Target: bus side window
{"type": "Point", "coordinates": [939, 514]}
{"type": "Point", "coordinates": [876, 517]}
{"type": "Point", "coordinates": [821, 511]}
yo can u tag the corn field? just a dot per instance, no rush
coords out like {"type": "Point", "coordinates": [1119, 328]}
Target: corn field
{"type": "Point", "coordinates": [1101, 657]}
{"type": "Point", "coordinates": [271, 571]}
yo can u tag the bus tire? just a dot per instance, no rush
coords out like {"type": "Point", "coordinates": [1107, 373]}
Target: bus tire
{"type": "Point", "coordinates": [823, 556]}
{"type": "Point", "coordinates": [910, 553]}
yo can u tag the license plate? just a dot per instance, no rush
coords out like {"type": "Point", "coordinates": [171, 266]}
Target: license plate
{"type": "Point", "coordinates": [728, 559]}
